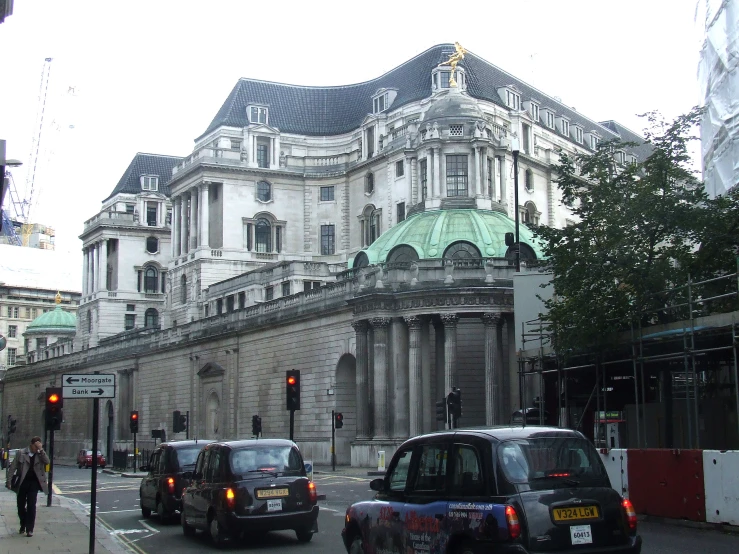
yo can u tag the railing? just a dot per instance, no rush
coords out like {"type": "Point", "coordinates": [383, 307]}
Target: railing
{"type": "Point", "coordinates": [123, 459]}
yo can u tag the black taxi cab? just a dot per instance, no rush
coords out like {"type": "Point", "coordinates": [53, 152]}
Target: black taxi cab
{"type": "Point", "coordinates": [503, 490]}
{"type": "Point", "coordinates": [250, 486]}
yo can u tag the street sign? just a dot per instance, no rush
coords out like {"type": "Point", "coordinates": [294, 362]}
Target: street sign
{"type": "Point", "coordinates": [88, 385]}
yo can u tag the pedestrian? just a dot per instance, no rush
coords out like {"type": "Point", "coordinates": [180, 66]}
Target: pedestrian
{"type": "Point", "coordinates": [31, 463]}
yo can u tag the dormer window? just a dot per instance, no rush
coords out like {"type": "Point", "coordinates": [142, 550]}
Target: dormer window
{"type": "Point", "coordinates": [379, 104]}
{"type": "Point", "coordinates": [619, 157]}
{"type": "Point", "coordinates": [593, 142]}
{"type": "Point", "coordinates": [534, 111]}
{"type": "Point", "coordinates": [513, 100]}
{"type": "Point", "coordinates": [564, 126]}
{"type": "Point", "coordinates": [578, 134]}
{"type": "Point", "coordinates": [149, 182]}
{"type": "Point", "coordinates": [549, 118]}
{"type": "Point", "coordinates": [258, 114]}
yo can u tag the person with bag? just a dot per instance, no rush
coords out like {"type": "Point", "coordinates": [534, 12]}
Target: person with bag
{"type": "Point", "coordinates": [27, 476]}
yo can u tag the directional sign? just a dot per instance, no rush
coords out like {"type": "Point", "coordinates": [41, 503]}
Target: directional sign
{"type": "Point", "coordinates": [88, 385]}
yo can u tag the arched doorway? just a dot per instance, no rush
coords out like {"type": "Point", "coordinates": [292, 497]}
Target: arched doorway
{"type": "Point", "coordinates": [109, 431]}
{"type": "Point", "coordinates": [345, 398]}
{"type": "Point", "coordinates": [212, 416]}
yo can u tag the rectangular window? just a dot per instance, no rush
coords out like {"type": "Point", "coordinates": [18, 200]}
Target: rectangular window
{"type": "Point", "coordinates": [235, 144]}
{"type": "Point", "coordinates": [219, 306]}
{"type": "Point", "coordinates": [12, 331]}
{"type": "Point", "coordinates": [230, 303]}
{"type": "Point", "coordinates": [490, 169]}
{"type": "Point", "coordinates": [149, 182]}
{"type": "Point", "coordinates": [578, 134]}
{"type": "Point", "coordinates": [327, 239]}
{"type": "Point", "coordinates": [513, 100]}
{"type": "Point", "coordinates": [130, 321]}
{"type": "Point", "coordinates": [327, 194]}
{"type": "Point", "coordinates": [34, 313]}
{"type": "Point", "coordinates": [130, 208]}
{"type": "Point", "coordinates": [138, 283]}
{"type": "Point", "coordinates": [242, 300]}
{"type": "Point", "coordinates": [526, 132]}
{"type": "Point", "coordinates": [12, 356]}
{"type": "Point", "coordinates": [248, 236]}
{"type": "Point", "coordinates": [258, 115]}
{"type": "Point", "coordinates": [41, 343]}
{"type": "Point", "coordinates": [286, 288]}
{"type": "Point", "coordinates": [380, 103]}
{"type": "Point", "coordinates": [401, 211]}
{"type": "Point", "coordinates": [456, 175]}
{"type": "Point", "coordinates": [399, 168]}
{"type": "Point", "coordinates": [444, 77]}
{"type": "Point", "coordinates": [456, 130]}
{"type": "Point", "coordinates": [423, 170]}
{"type": "Point", "coordinates": [534, 111]}
{"type": "Point", "coordinates": [28, 313]}
{"type": "Point", "coordinates": [151, 213]}
{"type": "Point", "coordinates": [370, 142]}
{"type": "Point", "coordinates": [262, 152]}
{"type": "Point", "coordinates": [593, 142]}
{"type": "Point", "coordinates": [499, 178]}
{"type": "Point", "coordinates": [269, 293]}
{"type": "Point", "coordinates": [130, 307]}
{"type": "Point", "coordinates": [565, 127]}
{"type": "Point", "coordinates": [550, 119]}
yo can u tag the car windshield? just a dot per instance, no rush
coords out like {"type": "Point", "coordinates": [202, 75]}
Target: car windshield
{"type": "Point", "coordinates": [546, 462]}
{"type": "Point", "coordinates": [185, 456]}
{"type": "Point", "coordinates": [253, 460]}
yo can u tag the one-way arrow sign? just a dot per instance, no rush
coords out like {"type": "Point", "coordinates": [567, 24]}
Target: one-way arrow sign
{"type": "Point", "coordinates": [71, 380]}
{"type": "Point", "coordinates": [89, 385]}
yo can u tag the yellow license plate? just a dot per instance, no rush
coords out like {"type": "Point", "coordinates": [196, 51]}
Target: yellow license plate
{"type": "Point", "coordinates": [272, 493]}
{"type": "Point", "coordinates": [575, 512]}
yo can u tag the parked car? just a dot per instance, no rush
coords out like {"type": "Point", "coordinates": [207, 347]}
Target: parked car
{"type": "Point", "coordinates": [161, 488]}
{"type": "Point", "coordinates": [250, 486]}
{"type": "Point", "coordinates": [84, 459]}
{"type": "Point", "coordinates": [512, 489]}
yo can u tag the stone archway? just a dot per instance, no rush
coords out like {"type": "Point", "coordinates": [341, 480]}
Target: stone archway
{"type": "Point", "coordinates": [212, 416]}
{"type": "Point", "coordinates": [345, 401]}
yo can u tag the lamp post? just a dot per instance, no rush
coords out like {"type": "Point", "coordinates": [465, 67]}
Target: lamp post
{"type": "Point", "coordinates": [515, 148]}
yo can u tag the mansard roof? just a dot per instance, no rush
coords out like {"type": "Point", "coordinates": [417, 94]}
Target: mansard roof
{"type": "Point", "coordinates": [146, 164]}
{"type": "Point", "coordinates": [642, 151]}
{"type": "Point", "coordinates": [322, 111]}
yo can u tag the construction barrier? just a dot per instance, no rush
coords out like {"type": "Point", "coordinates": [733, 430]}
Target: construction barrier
{"type": "Point", "coordinates": [616, 462]}
{"type": "Point", "coordinates": [721, 477]}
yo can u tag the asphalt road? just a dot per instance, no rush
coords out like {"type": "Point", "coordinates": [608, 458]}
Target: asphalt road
{"type": "Point", "coordinates": [118, 508]}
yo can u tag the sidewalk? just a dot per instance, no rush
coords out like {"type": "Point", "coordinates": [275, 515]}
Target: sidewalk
{"type": "Point", "coordinates": [62, 527]}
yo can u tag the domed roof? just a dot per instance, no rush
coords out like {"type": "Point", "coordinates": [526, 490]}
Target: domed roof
{"type": "Point", "coordinates": [431, 234]}
{"type": "Point", "coordinates": [56, 321]}
{"type": "Point", "coordinates": [452, 103]}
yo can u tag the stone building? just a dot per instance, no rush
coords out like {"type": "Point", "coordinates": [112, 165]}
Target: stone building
{"type": "Point", "coordinates": [362, 234]}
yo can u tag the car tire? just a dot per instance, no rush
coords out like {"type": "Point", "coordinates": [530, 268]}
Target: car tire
{"type": "Point", "coordinates": [79, 466]}
{"type": "Point", "coordinates": [304, 534]}
{"type": "Point", "coordinates": [187, 530]}
{"type": "Point", "coordinates": [357, 546]}
{"type": "Point", "coordinates": [146, 512]}
{"type": "Point", "coordinates": [217, 532]}
{"type": "Point", "coordinates": [468, 548]}
{"type": "Point", "coordinates": [164, 515]}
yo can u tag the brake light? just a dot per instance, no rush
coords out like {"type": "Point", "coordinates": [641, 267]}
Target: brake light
{"type": "Point", "coordinates": [514, 527]}
{"type": "Point", "coordinates": [629, 513]}
{"type": "Point", "coordinates": [230, 499]}
{"type": "Point", "coordinates": [312, 493]}
{"type": "Point", "coordinates": [564, 474]}
{"type": "Point", "coordinates": [170, 485]}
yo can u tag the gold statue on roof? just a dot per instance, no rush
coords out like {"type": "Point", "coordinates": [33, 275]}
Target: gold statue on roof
{"type": "Point", "coordinates": [58, 298]}
{"type": "Point", "coordinates": [453, 60]}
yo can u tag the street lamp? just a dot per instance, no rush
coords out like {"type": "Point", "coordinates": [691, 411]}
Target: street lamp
{"type": "Point", "coordinates": [515, 148]}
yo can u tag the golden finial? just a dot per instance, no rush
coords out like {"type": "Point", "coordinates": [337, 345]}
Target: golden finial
{"type": "Point", "coordinates": [58, 298]}
{"type": "Point", "coordinates": [453, 60]}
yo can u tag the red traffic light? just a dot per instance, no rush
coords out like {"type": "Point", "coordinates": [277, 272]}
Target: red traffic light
{"type": "Point", "coordinates": [134, 416]}
{"type": "Point", "coordinates": [53, 398]}
{"type": "Point", "coordinates": [291, 380]}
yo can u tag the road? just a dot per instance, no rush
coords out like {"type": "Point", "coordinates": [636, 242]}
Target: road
{"type": "Point", "coordinates": [118, 509]}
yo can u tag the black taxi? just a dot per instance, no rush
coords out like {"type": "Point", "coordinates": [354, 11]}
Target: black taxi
{"type": "Point", "coordinates": [508, 489]}
{"type": "Point", "coordinates": [250, 486]}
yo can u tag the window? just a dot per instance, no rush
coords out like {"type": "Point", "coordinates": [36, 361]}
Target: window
{"type": "Point", "coordinates": [489, 175]}
{"type": "Point", "coordinates": [264, 191]}
{"type": "Point", "coordinates": [399, 168]}
{"type": "Point", "coordinates": [230, 303]}
{"type": "Point", "coordinates": [370, 224]}
{"type": "Point", "coordinates": [242, 300]}
{"type": "Point", "coordinates": [462, 251]}
{"type": "Point", "coordinates": [151, 213]}
{"type": "Point", "coordinates": [369, 183]}
{"type": "Point", "coordinates": [235, 144]}
{"type": "Point", "coordinates": [151, 280]}
{"type": "Point", "coordinates": [327, 194]}
{"type": "Point", "coordinates": [534, 110]}
{"type": "Point", "coordinates": [578, 135]}
{"type": "Point", "coordinates": [593, 142]}
{"type": "Point", "coordinates": [151, 320]}
{"type": "Point", "coordinates": [130, 208]}
{"type": "Point", "coordinates": [431, 474]}
{"type": "Point", "coordinates": [263, 236]}
{"type": "Point", "coordinates": [529, 180]}
{"type": "Point", "coordinates": [327, 239]}
{"type": "Point", "coordinates": [130, 321]}
{"type": "Point", "coordinates": [619, 156]}
{"type": "Point", "coordinates": [269, 293]}
{"type": "Point", "coordinates": [370, 142]}
{"type": "Point", "coordinates": [152, 245]}
{"type": "Point", "coordinates": [526, 132]}
{"type": "Point", "coordinates": [379, 104]}
{"type": "Point", "coordinates": [12, 331]}
{"type": "Point", "coordinates": [456, 130]}
{"type": "Point", "coordinates": [423, 170]}
{"type": "Point", "coordinates": [41, 343]}
{"type": "Point", "coordinates": [308, 285]}
{"type": "Point", "coordinates": [28, 313]}
{"type": "Point", "coordinates": [164, 281]}
{"type": "Point", "coordinates": [286, 288]}
{"type": "Point", "coordinates": [398, 479]}
{"type": "Point", "coordinates": [565, 127]}
{"type": "Point", "coordinates": [219, 306]}
{"type": "Point", "coordinates": [513, 100]}
{"type": "Point", "coordinates": [258, 115]}
{"type": "Point", "coordinates": [444, 77]}
{"type": "Point", "coordinates": [456, 175]}
{"type": "Point", "coordinates": [262, 152]}
{"type": "Point", "coordinates": [183, 290]}
{"type": "Point", "coordinates": [12, 356]}
{"type": "Point", "coordinates": [402, 254]}
{"type": "Point", "coordinates": [401, 211]}
{"type": "Point", "coordinates": [550, 119]}
{"type": "Point", "coordinates": [467, 478]}
{"type": "Point", "coordinates": [149, 182]}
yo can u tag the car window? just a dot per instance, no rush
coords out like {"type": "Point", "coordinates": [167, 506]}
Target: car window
{"type": "Point", "coordinates": [467, 478]}
{"type": "Point", "coordinates": [162, 462]}
{"type": "Point", "coordinates": [200, 465]}
{"type": "Point", "coordinates": [432, 464]}
{"type": "Point", "coordinates": [398, 478]}
{"type": "Point", "coordinates": [152, 462]}
{"type": "Point", "coordinates": [183, 458]}
{"type": "Point", "coordinates": [154, 466]}
{"type": "Point", "coordinates": [212, 473]}
{"type": "Point", "coordinates": [253, 459]}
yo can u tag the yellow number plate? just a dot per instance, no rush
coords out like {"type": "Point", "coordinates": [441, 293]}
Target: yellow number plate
{"type": "Point", "coordinates": [272, 493]}
{"type": "Point", "coordinates": [576, 512]}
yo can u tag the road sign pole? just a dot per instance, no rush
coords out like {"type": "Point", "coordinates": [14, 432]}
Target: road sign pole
{"type": "Point", "coordinates": [333, 440]}
{"type": "Point", "coordinates": [94, 485]}
{"type": "Point", "coordinates": [134, 452]}
{"type": "Point", "coordinates": [51, 466]}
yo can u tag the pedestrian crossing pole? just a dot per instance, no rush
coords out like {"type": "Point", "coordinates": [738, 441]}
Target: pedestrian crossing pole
{"type": "Point", "coordinates": [333, 440]}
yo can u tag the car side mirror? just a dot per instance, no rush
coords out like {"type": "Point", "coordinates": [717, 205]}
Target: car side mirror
{"type": "Point", "coordinates": [187, 475]}
{"type": "Point", "coordinates": [144, 467]}
{"type": "Point", "coordinates": [377, 485]}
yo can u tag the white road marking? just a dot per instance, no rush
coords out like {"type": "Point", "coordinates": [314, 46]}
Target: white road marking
{"type": "Point", "coordinates": [117, 511]}
{"type": "Point", "coordinates": [126, 531]}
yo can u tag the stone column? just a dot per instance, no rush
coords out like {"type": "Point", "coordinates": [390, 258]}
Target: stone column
{"type": "Point", "coordinates": [93, 266]}
{"type": "Point", "coordinates": [415, 376]}
{"type": "Point", "coordinates": [437, 174]}
{"type": "Point", "coordinates": [362, 359]}
{"type": "Point", "coordinates": [204, 220]}
{"type": "Point", "coordinates": [450, 351]}
{"type": "Point", "coordinates": [478, 183]}
{"type": "Point", "coordinates": [195, 223]}
{"type": "Point", "coordinates": [426, 395]}
{"type": "Point", "coordinates": [176, 226]}
{"type": "Point", "coordinates": [84, 271]}
{"type": "Point", "coordinates": [381, 415]}
{"type": "Point", "coordinates": [493, 322]}
{"type": "Point", "coordinates": [103, 275]}
{"type": "Point", "coordinates": [414, 196]}
{"type": "Point", "coordinates": [399, 384]}
{"type": "Point", "coordinates": [183, 224]}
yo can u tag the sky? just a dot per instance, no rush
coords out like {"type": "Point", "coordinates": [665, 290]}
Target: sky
{"type": "Point", "coordinates": [149, 75]}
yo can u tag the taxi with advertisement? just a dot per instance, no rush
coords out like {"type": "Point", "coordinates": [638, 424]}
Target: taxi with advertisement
{"type": "Point", "coordinates": [503, 490]}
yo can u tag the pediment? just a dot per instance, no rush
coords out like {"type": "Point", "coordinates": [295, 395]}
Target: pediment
{"type": "Point", "coordinates": [211, 369]}
{"type": "Point", "coordinates": [369, 118]}
{"type": "Point", "coordinates": [264, 129]}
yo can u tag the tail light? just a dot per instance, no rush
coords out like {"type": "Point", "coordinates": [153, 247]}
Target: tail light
{"type": "Point", "coordinates": [312, 493]}
{"type": "Point", "coordinates": [230, 499]}
{"type": "Point", "coordinates": [170, 485]}
{"type": "Point", "coordinates": [514, 527]}
{"type": "Point", "coordinates": [629, 514]}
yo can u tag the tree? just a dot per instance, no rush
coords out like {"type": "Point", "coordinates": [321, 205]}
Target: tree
{"type": "Point", "coordinates": [636, 234]}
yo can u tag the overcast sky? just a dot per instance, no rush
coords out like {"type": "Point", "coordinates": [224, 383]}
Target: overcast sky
{"type": "Point", "coordinates": [148, 76]}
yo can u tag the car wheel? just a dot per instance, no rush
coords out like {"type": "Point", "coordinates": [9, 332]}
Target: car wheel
{"type": "Point", "coordinates": [79, 466]}
{"type": "Point", "coordinates": [217, 533]}
{"type": "Point", "coordinates": [357, 547]}
{"type": "Point", "coordinates": [188, 530]}
{"type": "Point", "coordinates": [146, 512]}
{"type": "Point", "coordinates": [468, 548]}
{"type": "Point", "coordinates": [163, 514]}
{"type": "Point", "coordinates": [304, 534]}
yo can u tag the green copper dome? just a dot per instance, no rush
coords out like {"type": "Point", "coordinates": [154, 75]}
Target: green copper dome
{"type": "Point", "coordinates": [438, 234]}
{"type": "Point", "coordinates": [56, 321]}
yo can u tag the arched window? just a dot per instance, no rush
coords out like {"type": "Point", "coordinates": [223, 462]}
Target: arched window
{"type": "Point", "coordinates": [529, 180]}
{"type": "Point", "coordinates": [150, 280]}
{"type": "Point", "coordinates": [370, 224]}
{"type": "Point", "coordinates": [151, 318]}
{"type": "Point", "coordinates": [527, 253]}
{"type": "Point", "coordinates": [402, 254]}
{"type": "Point", "coordinates": [462, 251]}
{"type": "Point", "coordinates": [264, 191]}
{"type": "Point", "coordinates": [369, 183]}
{"type": "Point", "coordinates": [152, 245]}
{"type": "Point", "coordinates": [263, 235]}
{"type": "Point", "coordinates": [183, 290]}
{"type": "Point", "coordinates": [528, 213]}
{"type": "Point", "coordinates": [361, 260]}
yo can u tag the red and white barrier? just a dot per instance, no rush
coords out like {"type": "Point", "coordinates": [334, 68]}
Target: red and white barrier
{"type": "Point", "coordinates": [616, 463]}
{"type": "Point", "coordinates": [721, 477]}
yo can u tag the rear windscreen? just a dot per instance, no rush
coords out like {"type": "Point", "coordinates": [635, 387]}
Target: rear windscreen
{"type": "Point", "coordinates": [185, 456]}
{"type": "Point", "coordinates": [254, 460]}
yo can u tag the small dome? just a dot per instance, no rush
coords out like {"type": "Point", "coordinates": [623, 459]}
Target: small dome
{"type": "Point", "coordinates": [453, 104]}
{"type": "Point", "coordinates": [56, 322]}
{"type": "Point", "coordinates": [438, 234]}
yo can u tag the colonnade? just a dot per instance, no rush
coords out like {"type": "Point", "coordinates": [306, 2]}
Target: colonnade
{"type": "Point", "coordinates": [95, 267]}
{"type": "Point", "coordinates": [190, 219]}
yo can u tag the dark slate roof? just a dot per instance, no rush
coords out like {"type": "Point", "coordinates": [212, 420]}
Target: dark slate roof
{"type": "Point", "coordinates": [322, 111]}
{"type": "Point", "coordinates": [642, 151]}
{"type": "Point", "coordinates": [146, 164]}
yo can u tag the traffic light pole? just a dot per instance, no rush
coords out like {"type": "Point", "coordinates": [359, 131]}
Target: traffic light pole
{"type": "Point", "coordinates": [292, 424]}
{"type": "Point", "coordinates": [333, 440]}
{"type": "Point", "coordinates": [187, 425]}
{"type": "Point", "coordinates": [94, 485]}
{"type": "Point", "coordinates": [51, 466]}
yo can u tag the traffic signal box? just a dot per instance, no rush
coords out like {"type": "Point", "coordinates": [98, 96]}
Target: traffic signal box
{"type": "Point", "coordinates": [54, 404]}
{"type": "Point", "coordinates": [455, 403]}
{"type": "Point", "coordinates": [339, 423]}
{"type": "Point", "coordinates": [133, 421]}
{"type": "Point", "coordinates": [179, 422]}
{"type": "Point", "coordinates": [292, 384]}
{"type": "Point", "coordinates": [256, 425]}
{"type": "Point", "coordinates": [441, 410]}
{"type": "Point", "coordinates": [12, 425]}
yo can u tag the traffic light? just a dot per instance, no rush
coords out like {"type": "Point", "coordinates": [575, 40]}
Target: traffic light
{"type": "Point", "coordinates": [133, 421]}
{"type": "Point", "coordinates": [339, 423]}
{"type": "Point", "coordinates": [441, 410]}
{"type": "Point", "coordinates": [11, 425]}
{"type": "Point", "coordinates": [54, 403]}
{"type": "Point", "coordinates": [292, 383]}
{"type": "Point", "coordinates": [256, 425]}
{"type": "Point", "coordinates": [455, 403]}
{"type": "Point", "coordinates": [179, 422]}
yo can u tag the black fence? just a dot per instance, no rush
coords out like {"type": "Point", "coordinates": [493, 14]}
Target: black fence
{"type": "Point", "coordinates": [123, 459]}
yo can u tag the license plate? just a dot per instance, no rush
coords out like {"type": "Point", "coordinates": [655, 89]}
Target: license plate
{"type": "Point", "coordinates": [576, 512]}
{"type": "Point", "coordinates": [272, 493]}
{"type": "Point", "coordinates": [276, 506]}
{"type": "Point", "coordinates": [580, 534]}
